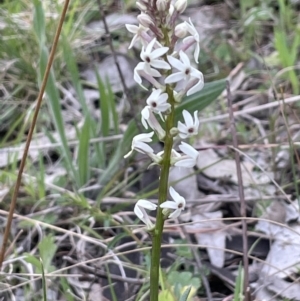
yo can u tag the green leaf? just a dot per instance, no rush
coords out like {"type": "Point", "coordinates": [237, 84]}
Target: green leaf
{"type": "Point", "coordinates": [47, 249]}
{"type": "Point", "coordinates": [199, 101]}
{"type": "Point", "coordinates": [166, 295]}
{"type": "Point", "coordinates": [239, 285]}
{"type": "Point", "coordinates": [39, 21]}
{"type": "Point", "coordinates": [185, 295]}
{"type": "Point", "coordinates": [34, 261]}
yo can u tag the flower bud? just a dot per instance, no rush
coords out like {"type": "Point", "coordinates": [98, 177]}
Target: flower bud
{"type": "Point", "coordinates": [181, 30]}
{"type": "Point", "coordinates": [141, 6]}
{"type": "Point", "coordinates": [171, 10]}
{"type": "Point", "coordinates": [145, 20]}
{"type": "Point", "coordinates": [161, 5]}
{"type": "Point", "coordinates": [174, 131]}
{"type": "Point", "coordinates": [166, 212]}
{"type": "Point", "coordinates": [180, 5]}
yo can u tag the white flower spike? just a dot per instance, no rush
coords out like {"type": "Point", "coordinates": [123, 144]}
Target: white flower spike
{"type": "Point", "coordinates": [194, 38]}
{"type": "Point", "coordinates": [139, 34]}
{"type": "Point", "coordinates": [177, 205]}
{"type": "Point", "coordinates": [139, 144]}
{"type": "Point", "coordinates": [190, 126]}
{"type": "Point", "coordinates": [186, 72]}
{"type": "Point", "coordinates": [139, 210]}
{"type": "Point", "coordinates": [188, 160]}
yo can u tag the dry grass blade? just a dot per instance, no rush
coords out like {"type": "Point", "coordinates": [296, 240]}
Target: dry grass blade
{"type": "Point", "coordinates": [241, 194]}
{"type": "Point", "coordinates": [30, 133]}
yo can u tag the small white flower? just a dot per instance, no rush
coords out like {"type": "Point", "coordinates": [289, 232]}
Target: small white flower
{"type": "Point", "coordinates": [139, 210]}
{"type": "Point", "coordinates": [138, 32]}
{"type": "Point", "coordinates": [151, 59]}
{"type": "Point", "coordinates": [157, 101]}
{"type": "Point", "coordinates": [194, 38]}
{"type": "Point", "coordinates": [186, 72]}
{"type": "Point", "coordinates": [189, 127]}
{"type": "Point", "coordinates": [139, 144]}
{"type": "Point", "coordinates": [188, 160]}
{"type": "Point", "coordinates": [148, 118]}
{"type": "Point", "coordinates": [177, 205]}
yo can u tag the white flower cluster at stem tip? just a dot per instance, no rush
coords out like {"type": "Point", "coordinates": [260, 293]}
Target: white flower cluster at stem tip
{"type": "Point", "coordinates": [165, 65]}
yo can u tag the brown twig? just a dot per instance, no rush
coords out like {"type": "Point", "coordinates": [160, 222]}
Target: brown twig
{"type": "Point", "coordinates": [30, 134]}
{"type": "Point", "coordinates": [241, 193]}
{"type": "Point", "coordinates": [112, 49]}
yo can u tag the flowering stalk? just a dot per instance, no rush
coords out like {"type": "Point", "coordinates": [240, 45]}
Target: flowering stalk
{"type": "Point", "coordinates": [164, 64]}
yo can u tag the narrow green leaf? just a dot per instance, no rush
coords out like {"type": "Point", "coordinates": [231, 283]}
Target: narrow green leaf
{"type": "Point", "coordinates": [112, 107]}
{"type": "Point", "coordinates": [39, 21]}
{"type": "Point", "coordinates": [44, 283]}
{"type": "Point", "coordinates": [53, 99]}
{"type": "Point", "coordinates": [47, 249]}
{"type": "Point", "coordinates": [238, 290]}
{"type": "Point", "coordinates": [104, 105]}
{"type": "Point", "coordinates": [83, 153]}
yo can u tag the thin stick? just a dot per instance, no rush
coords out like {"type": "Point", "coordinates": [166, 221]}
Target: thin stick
{"type": "Point", "coordinates": [252, 110]}
{"type": "Point", "coordinates": [30, 134]}
{"type": "Point", "coordinates": [241, 193]}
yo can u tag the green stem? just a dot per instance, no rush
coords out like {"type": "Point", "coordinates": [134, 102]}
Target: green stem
{"type": "Point", "coordinates": [162, 197]}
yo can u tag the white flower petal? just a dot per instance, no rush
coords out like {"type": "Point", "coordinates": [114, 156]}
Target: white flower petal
{"type": "Point", "coordinates": [196, 52]}
{"type": "Point", "coordinates": [128, 154]}
{"type": "Point", "coordinates": [138, 212]}
{"type": "Point", "coordinates": [175, 214]}
{"type": "Point", "coordinates": [176, 63]}
{"type": "Point", "coordinates": [145, 137]}
{"type": "Point", "coordinates": [187, 163]}
{"type": "Point", "coordinates": [188, 150]}
{"type": "Point", "coordinates": [159, 64]}
{"type": "Point", "coordinates": [188, 119]}
{"type": "Point", "coordinates": [174, 78]}
{"type": "Point", "coordinates": [159, 52]}
{"type": "Point", "coordinates": [174, 194]}
{"type": "Point", "coordinates": [143, 148]}
{"type": "Point", "coordinates": [132, 28]}
{"type": "Point", "coordinates": [185, 59]}
{"type": "Point", "coordinates": [146, 204]}
{"type": "Point", "coordinates": [196, 120]}
{"type": "Point", "coordinates": [150, 46]}
{"type": "Point", "coordinates": [169, 205]}
{"type": "Point", "coordinates": [196, 88]}
{"type": "Point", "coordinates": [136, 76]}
